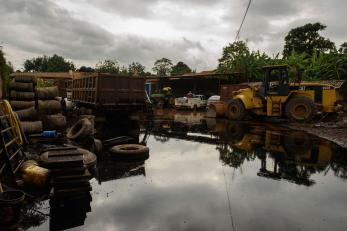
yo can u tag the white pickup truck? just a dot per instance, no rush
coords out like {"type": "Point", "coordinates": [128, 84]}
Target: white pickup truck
{"type": "Point", "coordinates": [195, 102]}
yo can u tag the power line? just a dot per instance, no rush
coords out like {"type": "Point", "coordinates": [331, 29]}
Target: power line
{"type": "Point", "coordinates": [243, 19]}
{"type": "Point", "coordinates": [228, 197]}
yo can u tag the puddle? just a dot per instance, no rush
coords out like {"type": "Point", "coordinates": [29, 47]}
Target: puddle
{"type": "Point", "coordinates": [204, 174]}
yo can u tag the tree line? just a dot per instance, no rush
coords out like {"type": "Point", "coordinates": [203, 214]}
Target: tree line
{"type": "Point", "coordinates": [305, 49]}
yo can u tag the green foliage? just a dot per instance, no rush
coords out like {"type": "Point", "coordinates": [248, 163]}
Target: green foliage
{"type": "Point", "coordinates": [86, 69]}
{"type": "Point", "coordinates": [238, 58]}
{"type": "Point", "coordinates": [162, 67]}
{"type": "Point", "coordinates": [43, 83]}
{"type": "Point", "coordinates": [5, 70]}
{"type": "Point", "coordinates": [107, 66]}
{"type": "Point", "coordinates": [136, 69]}
{"type": "Point", "coordinates": [306, 39]}
{"type": "Point", "coordinates": [180, 68]}
{"type": "Point", "coordinates": [45, 63]}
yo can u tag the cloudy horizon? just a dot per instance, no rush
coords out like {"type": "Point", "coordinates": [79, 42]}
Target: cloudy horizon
{"type": "Point", "coordinates": [194, 31]}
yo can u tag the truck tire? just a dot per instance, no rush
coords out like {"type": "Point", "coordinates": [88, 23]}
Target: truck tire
{"type": "Point", "coordinates": [297, 143]}
{"type": "Point", "coordinates": [49, 106]}
{"type": "Point", "coordinates": [300, 109]}
{"type": "Point", "coordinates": [236, 110]}
{"type": "Point", "coordinates": [18, 86]}
{"type": "Point", "coordinates": [31, 127]}
{"type": "Point", "coordinates": [29, 114]}
{"type": "Point", "coordinates": [54, 122]}
{"type": "Point", "coordinates": [45, 93]}
{"type": "Point", "coordinates": [130, 152]}
{"type": "Point", "coordinates": [26, 96]}
{"type": "Point", "coordinates": [80, 130]}
{"type": "Point", "coordinates": [19, 105]}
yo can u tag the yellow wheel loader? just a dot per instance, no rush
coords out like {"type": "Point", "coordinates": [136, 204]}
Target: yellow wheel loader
{"type": "Point", "coordinates": [276, 97]}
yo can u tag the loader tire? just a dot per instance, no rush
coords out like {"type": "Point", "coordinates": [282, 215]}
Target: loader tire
{"type": "Point", "coordinates": [297, 143]}
{"type": "Point", "coordinates": [236, 110]}
{"type": "Point", "coordinates": [29, 114]}
{"type": "Point", "coordinates": [18, 86]}
{"type": "Point", "coordinates": [45, 93]}
{"type": "Point", "coordinates": [19, 105]}
{"type": "Point", "coordinates": [26, 96]}
{"type": "Point", "coordinates": [31, 127]}
{"type": "Point", "coordinates": [300, 109]}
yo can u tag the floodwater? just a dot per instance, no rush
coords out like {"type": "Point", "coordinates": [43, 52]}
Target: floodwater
{"type": "Point", "coordinates": [204, 174]}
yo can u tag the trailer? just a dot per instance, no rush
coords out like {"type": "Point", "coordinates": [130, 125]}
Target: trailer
{"type": "Point", "coordinates": [109, 92]}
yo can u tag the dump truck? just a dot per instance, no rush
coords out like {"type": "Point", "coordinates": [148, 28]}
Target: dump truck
{"type": "Point", "coordinates": [277, 97]}
{"type": "Point", "coordinates": [109, 92]}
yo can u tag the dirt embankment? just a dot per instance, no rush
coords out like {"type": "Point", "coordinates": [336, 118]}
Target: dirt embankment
{"type": "Point", "coordinates": [335, 132]}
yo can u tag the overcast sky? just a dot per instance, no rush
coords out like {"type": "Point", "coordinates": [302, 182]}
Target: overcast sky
{"type": "Point", "coordinates": [193, 31]}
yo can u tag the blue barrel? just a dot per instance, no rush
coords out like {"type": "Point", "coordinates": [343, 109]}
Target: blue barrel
{"type": "Point", "coordinates": [52, 133]}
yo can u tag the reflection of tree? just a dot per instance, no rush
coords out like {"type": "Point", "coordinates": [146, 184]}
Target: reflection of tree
{"type": "Point", "coordinates": [339, 163]}
{"type": "Point", "coordinates": [234, 157]}
{"type": "Point", "coordinates": [161, 139]}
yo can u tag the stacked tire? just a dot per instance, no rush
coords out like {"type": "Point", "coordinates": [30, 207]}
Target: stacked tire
{"type": "Point", "coordinates": [50, 108]}
{"type": "Point", "coordinates": [22, 100]}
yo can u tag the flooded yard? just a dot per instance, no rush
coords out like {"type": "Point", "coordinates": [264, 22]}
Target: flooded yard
{"type": "Point", "coordinates": [207, 174]}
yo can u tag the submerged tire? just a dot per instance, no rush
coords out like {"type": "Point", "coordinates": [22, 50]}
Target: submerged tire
{"type": "Point", "coordinates": [236, 110]}
{"type": "Point", "coordinates": [80, 130]}
{"type": "Point", "coordinates": [26, 96]}
{"type": "Point", "coordinates": [45, 93]}
{"type": "Point", "coordinates": [54, 122]}
{"type": "Point", "coordinates": [18, 86]}
{"type": "Point", "coordinates": [31, 127]}
{"type": "Point", "coordinates": [19, 105]}
{"type": "Point", "coordinates": [130, 152]}
{"type": "Point", "coordinates": [49, 106]}
{"type": "Point", "coordinates": [27, 114]}
{"type": "Point", "coordinates": [300, 109]}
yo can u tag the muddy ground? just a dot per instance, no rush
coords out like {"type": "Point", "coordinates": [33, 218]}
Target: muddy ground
{"type": "Point", "coordinates": [333, 131]}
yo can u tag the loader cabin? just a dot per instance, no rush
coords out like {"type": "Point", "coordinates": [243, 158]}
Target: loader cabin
{"type": "Point", "coordinates": [276, 81]}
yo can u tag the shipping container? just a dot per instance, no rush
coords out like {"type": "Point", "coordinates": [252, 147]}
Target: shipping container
{"type": "Point", "coordinates": [109, 91]}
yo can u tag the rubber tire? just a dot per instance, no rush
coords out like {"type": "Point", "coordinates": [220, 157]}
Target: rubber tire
{"type": "Point", "coordinates": [300, 101]}
{"type": "Point", "coordinates": [130, 152]}
{"type": "Point", "coordinates": [18, 86]}
{"type": "Point", "coordinates": [241, 112]}
{"type": "Point", "coordinates": [25, 96]}
{"type": "Point", "coordinates": [49, 106]}
{"type": "Point", "coordinates": [297, 143]}
{"type": "Point", "coordinates": [31, 127]}
{"type": "Point", "coordinates": [29, 114]}
{"type": "Point", "coordinates": [19, 105]}
{"type": "Point", "coordinates": [80, 130]}
{"type": "Point", "coordinates": [54, 122]}
{"type": "Point", "coordinates": [25, 79]}
{"type": "Point", "coordinates": [235, 131]}
{"type": "Point", "coordinates": [46, 93]}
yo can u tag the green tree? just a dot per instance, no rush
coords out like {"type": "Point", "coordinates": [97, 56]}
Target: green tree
{"type": "Point", "coordinates": [86, 69]}
{"type": "Point", "coordinates": [107, 66]}
{"type": "Point", "coordinates": [6, 69]}
{"type": "Point", "coordinates": [238, 58]}
{"type": "Point", "coordinates": [136, 69]}
{"type": "Point", "coordinates": [180, 68]}
{"type": "Point", "coordinates": [162, 67]}
{"type": "Point", "coordinates": [45, 63]}
{"type": "Point", "coordinates": [307, 39]}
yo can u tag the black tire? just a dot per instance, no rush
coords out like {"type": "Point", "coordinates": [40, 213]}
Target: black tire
{"type": "Point", "coordinates": [49, 106]}
{"type": "Point", "coordinates": [297, 143]}
{"type": "Point", "coordinates": [300, 109]}
{"type": "Point", "coordinates": [18, 86]}
{"type": "Point", "coordinates": [236, 110]}
{"type": "Point", "coordinates": [29, 114]}
{"type": "Point", "coordinates": [19, 105]}
{"type": "Point", "coordinates": [130, 152]}
{"type": "Point", "coordinates": [25, 79]}
{"type": "Point", "coordinates": [80, 130]}
{"type": "Point", "coordinates": [31, 127]}
{"type": "Point", "coordinates": [46, 93]}
{"type": "Point", "coordinates": [235, 131]}
{"type": "Point", "coordinates": [54, 122]}
{"type": "Point", "coordinates": [26, 96]}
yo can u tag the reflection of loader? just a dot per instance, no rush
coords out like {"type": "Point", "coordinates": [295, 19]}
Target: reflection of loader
{"type": "Point", "coordinates": [163, 99]}
{"type": "Point", "coordinates": [277, 97]}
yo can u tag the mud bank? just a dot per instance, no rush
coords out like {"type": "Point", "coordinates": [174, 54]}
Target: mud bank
{"type": "Point", "coordinates": [334, 132]}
